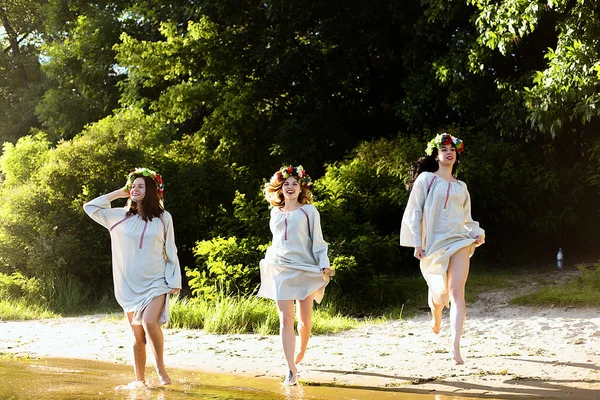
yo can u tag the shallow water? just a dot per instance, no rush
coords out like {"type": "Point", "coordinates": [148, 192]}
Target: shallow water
{"type": "Point", "coordinates": [62, 379]}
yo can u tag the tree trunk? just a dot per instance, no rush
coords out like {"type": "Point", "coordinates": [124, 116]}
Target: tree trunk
{"type": "Point", "coordinates": [13, 40]}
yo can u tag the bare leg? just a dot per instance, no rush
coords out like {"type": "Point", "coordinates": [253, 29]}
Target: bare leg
{"type": "Point", "coordinates": [458, 271]}
{"type": "Point", "coordinates": [139, 349]}
{"type": "Point", "coordinates": [286, 331]}
{"type": "Point", "coordinates": [436, 321]}
{"type": "Point", "coordinates": [305, 308]}
{"type": "Point", "coordinates": [155, 336]}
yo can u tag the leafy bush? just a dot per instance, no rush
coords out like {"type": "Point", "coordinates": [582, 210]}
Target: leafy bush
{"type": "Point", "coordinates": [227, 265]}
{"type": "Point", "coordinates": [18, 286]}
{"type": "Point", "coordinates": [361, 201]}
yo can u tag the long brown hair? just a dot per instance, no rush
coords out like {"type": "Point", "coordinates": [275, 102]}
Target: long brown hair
{"type": "Point", "coordinates": [274, 193]}
{"type": "Point", "coordinates": [151, 205]}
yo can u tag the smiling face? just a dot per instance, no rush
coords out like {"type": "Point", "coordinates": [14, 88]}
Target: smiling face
{"type": "Point", "coordinates": [446, 155]}
{"type": "Point", "coordinates": [138, 190]}
{"type": "Point", "coordinates": [291, 189]}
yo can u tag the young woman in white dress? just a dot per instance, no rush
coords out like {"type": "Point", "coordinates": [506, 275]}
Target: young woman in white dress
{"type": "Point", "coordinates": [437, 222]}
{"type": "Point", "coordinates": [296, 266]}
{"type": "Point", "coordinates": [144, 262]}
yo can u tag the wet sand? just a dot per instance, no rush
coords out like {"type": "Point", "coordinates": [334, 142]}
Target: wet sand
{"type": "Point", "coordinates": [511, 352]}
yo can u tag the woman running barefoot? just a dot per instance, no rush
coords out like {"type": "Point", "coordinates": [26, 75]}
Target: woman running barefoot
{"type": "Point", "coordinates": [296, 266]}
{"type": "Point", "coordinates": [145, 264]}
{"type": "Point", "coordinates": [437, 223]}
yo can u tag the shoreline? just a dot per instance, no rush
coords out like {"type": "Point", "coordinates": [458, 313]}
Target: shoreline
{"type": "Point", "coordinates": [510, 351]}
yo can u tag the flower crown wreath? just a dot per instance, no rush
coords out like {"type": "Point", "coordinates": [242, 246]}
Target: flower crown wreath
{"type": "Point", "coordinates": [297, 172]}
{"type": "Point", "coordinates": [145, 172]}
{"type": "Point", "coordinates": [442, 139]}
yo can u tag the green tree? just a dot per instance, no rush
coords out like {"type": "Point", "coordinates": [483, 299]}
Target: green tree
{"type": "Point", "coordinates": [21, 81]}
{"type": "Point", "coordinates": [563, 94]}
{"type": "Point", "coordinates": [292, 82]}
{"type": "Point", "coordinates": [80, 65]}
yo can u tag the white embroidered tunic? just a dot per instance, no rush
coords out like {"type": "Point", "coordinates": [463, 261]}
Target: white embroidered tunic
{"type": "Point", "coordinates": [438, 219]}
{"type": "Point", "coordinates": [292, 267]}
{"type": "Point", "coordinates": [144, 256]}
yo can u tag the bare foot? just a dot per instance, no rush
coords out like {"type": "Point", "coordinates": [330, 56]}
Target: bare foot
{"type": "Point", "coordinates": [436, 321]}
{"type": "Point", "coordinates": [135, 385]}
{"type": "Point", "coordinates": [291, 379]}
{"type": "Point", "coordinates": [300, 356]}
{"type": "Point", "coordinates": [456, 357]}
{"type": "Point", "coordinates": [164, 379]}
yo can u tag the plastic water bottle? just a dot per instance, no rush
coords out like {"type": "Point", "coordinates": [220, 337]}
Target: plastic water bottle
{"type": "Point", "coordinates": [559, 259]}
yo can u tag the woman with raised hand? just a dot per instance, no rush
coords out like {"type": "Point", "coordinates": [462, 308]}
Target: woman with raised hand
{"type": "Point", "coordinates": [144, 262]}
{"type": "Point", "coordinates": [437, 222]}
{"type": "Point", "coordinates": [296, 266]}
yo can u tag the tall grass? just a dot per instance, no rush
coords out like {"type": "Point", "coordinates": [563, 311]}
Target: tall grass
{"type": "Point", "coordinates": [21, 298]}
{"type": "Point", "coordinates": [20, 310]}
{"type": "Point", "coordinates": [66, 294]}
{"type": "Point", "coordinates": [246, 314]}
{"type": "Point", "coordinates": [55, 293]}
{"type": "Point", "coordinates": [324, 323]}
{"type": "Point", "coordinates": [580, 290]}
{"type": "Point", "coordinates": [69, 296]}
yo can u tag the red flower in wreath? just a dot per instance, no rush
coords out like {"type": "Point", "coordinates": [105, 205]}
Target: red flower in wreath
{"type": "Point", "coordinates": [446, 139]}
{"type": "Point", "coordinates": [298, 172]}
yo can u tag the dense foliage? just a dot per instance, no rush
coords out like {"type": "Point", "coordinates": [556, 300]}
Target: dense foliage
{"type": "Point", "coordinates": [216, 95]}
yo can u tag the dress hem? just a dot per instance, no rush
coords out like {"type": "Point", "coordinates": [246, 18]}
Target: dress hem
{"type": "Point", "coordinates": [317, 298]}
{"type": "Point", "coordinates": [437, 283]}
{"type": "Point", "coordinates": [163, 318]}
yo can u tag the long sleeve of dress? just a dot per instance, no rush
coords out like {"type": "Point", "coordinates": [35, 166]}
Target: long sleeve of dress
{"type": "Point", "coordinates": [472, 226]}
{"type": "Point", "coordinates": [172, 269]}
{"type": "Point", "coordinates": [100, 211]}
{"type": "Point", "coordinates": [410, 231]}
{"type": "Point", "coordinates": [319, 245]}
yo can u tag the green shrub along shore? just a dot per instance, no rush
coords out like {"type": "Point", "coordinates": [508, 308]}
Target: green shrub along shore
{"type": "Point", "coordinates": [222, 314]}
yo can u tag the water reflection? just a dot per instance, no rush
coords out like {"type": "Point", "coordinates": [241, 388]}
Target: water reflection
{"type": "Point", "coordinates": [293, 392]}
{"type": "Point", "coordinates": [78, 379]}
{"type": "Point", "coordinates": [54, 379]}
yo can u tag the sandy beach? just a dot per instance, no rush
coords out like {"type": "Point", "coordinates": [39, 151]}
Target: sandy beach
{"type": "Point", "coordinates": [511, 352]}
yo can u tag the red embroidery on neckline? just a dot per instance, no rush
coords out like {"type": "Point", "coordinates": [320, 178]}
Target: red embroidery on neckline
{"type": "Point", "coordinates": [447, 195]}
{"type": "Point", "coordinates": [307, 222]}
{"type": "Point", "coordinates": [115, 225]}
{"type": "Point", "coordinates": [143, 231]}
